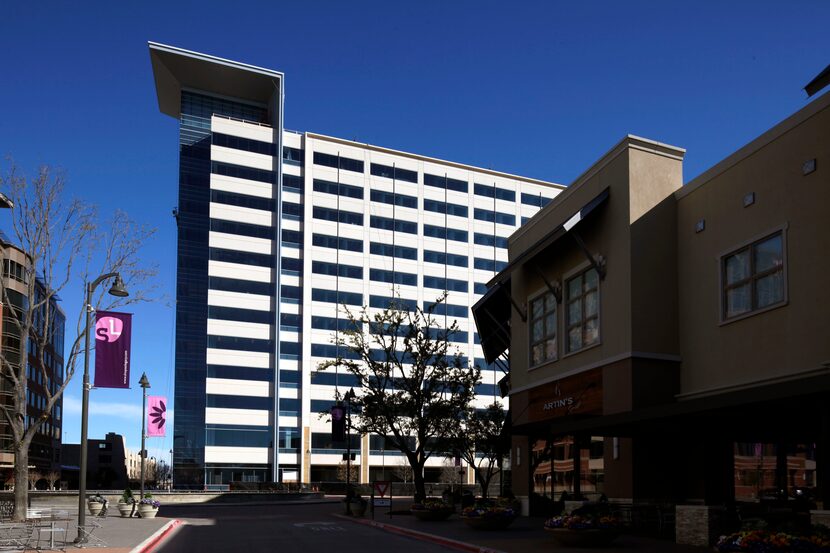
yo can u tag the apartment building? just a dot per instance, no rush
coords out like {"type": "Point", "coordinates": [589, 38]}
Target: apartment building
{"type": "Point", "coordinates": [279, 233]}
{"type": "Point", "coordinates": [45, 449]}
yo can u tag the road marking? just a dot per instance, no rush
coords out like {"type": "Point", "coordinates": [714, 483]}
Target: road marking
{"type": "Point", "coordinates": [320, 526]}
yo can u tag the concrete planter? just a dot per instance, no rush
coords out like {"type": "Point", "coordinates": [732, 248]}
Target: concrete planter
{"type": "Point", "coordinates": [94, 507]}
{"type": "Point", "coordinates": [126, 509]}
{"type": "Point", "coordinates": [357, 507]}
{"type": "Point", "coordinates": [147, 511]}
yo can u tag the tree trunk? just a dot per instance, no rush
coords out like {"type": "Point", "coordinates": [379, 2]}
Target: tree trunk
{"type": "Point", "coordinates": [418, 480]}
{"type": "Point", "coordinates": [484, 478]}
{"type": "Point", "coordinates": [21, 480]}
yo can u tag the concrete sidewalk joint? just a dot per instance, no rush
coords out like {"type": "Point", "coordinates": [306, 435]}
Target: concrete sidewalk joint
{"type": "Point", "coordinates": [161, 534]}
{"type": "Point", "coordinates": [439, 540]}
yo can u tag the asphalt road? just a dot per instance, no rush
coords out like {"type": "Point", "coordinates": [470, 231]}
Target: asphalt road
{"type": "Point", "coordinates": [283, 528]}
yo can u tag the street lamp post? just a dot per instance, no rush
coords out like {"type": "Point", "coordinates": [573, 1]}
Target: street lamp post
{"type": "Point", "coordinates": [144, 383]}
{"type": "Point", "coordinates": [120, 291]}
{"type": "Point", "coordinates": [349, 397]}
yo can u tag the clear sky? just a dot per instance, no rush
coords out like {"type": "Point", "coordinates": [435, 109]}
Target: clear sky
{"type": "Point", "coordinates": [540, 89]}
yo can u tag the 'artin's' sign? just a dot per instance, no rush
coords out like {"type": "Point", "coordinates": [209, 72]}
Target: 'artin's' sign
{"type": "Point", "coordinates": [580, 394]}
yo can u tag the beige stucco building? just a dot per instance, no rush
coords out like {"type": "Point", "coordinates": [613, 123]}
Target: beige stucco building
{"type": "Point", "coordinates": [677, 322]}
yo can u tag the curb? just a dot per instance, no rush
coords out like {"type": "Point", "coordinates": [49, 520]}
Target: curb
{"type": "Point", "coordinates": [423, 536]}
{"type": "Point", "coordinates": [160, 535]}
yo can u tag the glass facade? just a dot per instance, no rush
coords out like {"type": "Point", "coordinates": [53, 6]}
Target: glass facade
{"type": "Point", "coordinates": [194, 224]}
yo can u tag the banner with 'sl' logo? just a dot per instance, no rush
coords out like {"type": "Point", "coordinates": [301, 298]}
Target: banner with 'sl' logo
{"type": "Point", "coordinates": [112, 349]}
{"type": "Point", "coordinates": [156, 416]}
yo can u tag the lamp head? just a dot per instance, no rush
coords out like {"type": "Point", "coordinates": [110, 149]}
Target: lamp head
{"type": "Point", "coordinates": [144, 382]}
{"type": "Point", "coordinates": [118, 288]}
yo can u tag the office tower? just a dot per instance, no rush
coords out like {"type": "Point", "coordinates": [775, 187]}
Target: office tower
{"type": "Point", "coordinates": [278, 230]}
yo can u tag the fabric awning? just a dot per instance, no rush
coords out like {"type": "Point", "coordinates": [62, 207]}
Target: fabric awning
{"type": "Point", "coordinates": [549, 238]}
{"type": "Point", "coordinates": [492, 311]}
{"type": "Point", "coordinates": [492, 316]}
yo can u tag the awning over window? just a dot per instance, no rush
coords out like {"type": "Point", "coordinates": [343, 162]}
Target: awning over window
{"type": "Point", "coordinates": [492, 311]}
{"type": "Point", "coordinates": [492, 315]}
{"type": "Point", "coordinates": [549, 238]}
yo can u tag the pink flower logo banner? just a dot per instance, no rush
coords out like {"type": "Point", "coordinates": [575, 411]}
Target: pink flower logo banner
{"type": "Point", "coordinates": [156, 415]}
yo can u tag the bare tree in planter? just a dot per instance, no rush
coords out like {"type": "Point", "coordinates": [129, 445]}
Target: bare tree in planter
{"type": "Point", "coordinates": [34, 477]}
{"type": "Point", "coordinates": [63, 245]}
{"type": "Point", "coordinates": [411, 385]}
{"type": "Point", "coordinates": [52, 477]}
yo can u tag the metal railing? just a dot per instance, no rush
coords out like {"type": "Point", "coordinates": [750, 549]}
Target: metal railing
{"type": "Point", "coordinates": [266, 125]}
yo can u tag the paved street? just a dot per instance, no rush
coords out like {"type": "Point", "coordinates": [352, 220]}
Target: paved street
{"type": "Point", "coordinates": [306, 528]}
{"type": "Point", "coordinates": [284, 528]}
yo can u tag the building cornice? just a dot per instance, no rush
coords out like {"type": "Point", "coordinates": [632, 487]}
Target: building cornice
{"type": "Point", "coordinates": [629, 141]}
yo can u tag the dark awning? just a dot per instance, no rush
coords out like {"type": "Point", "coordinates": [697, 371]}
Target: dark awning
{"type": "Point", "coordinates": [492, 316]}
{"type": "Point", "coordinates": [549, 239]}
{"type": "Point", "coordinates": [492, 311]}
{"type": "Point", "coordinates": [821, 80]}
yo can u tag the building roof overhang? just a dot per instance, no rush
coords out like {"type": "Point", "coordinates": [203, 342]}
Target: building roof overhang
{"type": "Point", "coordinates": [175, 69]}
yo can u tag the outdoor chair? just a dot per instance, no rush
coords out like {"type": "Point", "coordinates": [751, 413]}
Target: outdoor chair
{"type": "Point", "coordinates": [52, 522]}
{"type": "Point", "coordinates": [16, 535]}
{"type": "Point", "coordinates": [89, 531]}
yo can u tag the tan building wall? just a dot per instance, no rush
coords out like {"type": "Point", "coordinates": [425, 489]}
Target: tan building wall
{"type": "Point", "coordinates": [789, 341]}
{"type": "Point", "coordinates": [679, 384]}
{"type": "Point", "coordinates": [640, 175]}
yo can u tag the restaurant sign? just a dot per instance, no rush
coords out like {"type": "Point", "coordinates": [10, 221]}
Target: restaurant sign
{"type": "Point", "coordinates": [580, 394]}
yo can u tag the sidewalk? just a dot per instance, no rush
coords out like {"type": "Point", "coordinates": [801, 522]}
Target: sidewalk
{"type": "Point", "coordinates": [525, 535]}
{"type": "Point", "coordinates": [121, 535]}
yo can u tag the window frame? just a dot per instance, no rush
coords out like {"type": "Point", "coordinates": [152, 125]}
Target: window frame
{"type": "Point", "coordinates": [580, 271]}
{"type": "Point", "coordinates": [541, 294]}
{"type": "Point", "coordinates": [753, 277]}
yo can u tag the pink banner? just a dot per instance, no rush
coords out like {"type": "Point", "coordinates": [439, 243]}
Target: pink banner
{"type": "Point", "coordinates": [156, 416]}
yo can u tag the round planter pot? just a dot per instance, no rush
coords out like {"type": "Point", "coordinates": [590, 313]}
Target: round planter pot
{"type": "Point", "coordinates": [488, 523]}
{"type": "Point", "coordinates": [357, 508]}
{"type": "Point", "coordinates": [126, 509]}
{"type": "Point", "coordinates": [423, 514]}
{"type": "Point", "coordinates": [596, 537]}
{"type": "Point", "coordinates": [147, 511]}
{"type": "Point", "coordinates": [94, 507]}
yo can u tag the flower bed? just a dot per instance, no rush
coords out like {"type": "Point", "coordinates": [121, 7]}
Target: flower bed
{"type": "Point", "coordinates": [488, 514]}
{"type": "Point", "coordinates": [431, 509]}
{"type": "Point", "coordinates": [766, 541]}
{"type": "Point", "coordinates": [584, 530]}
{"type": "Point", "coordinates": [583, 522]}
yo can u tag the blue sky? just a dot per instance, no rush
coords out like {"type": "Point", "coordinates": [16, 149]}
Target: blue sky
{"type": "Point", "coordinates": [540, 89]}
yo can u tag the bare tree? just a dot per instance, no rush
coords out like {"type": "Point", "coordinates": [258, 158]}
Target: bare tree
{"type": "Point", "coordinates": [34, 477]}
{"type": "Point", "coordinates": [160, 473]}
{"type": "Point", "coordinates": [62, 244]}
{"type": "Point", "coordinates": [52, 477]}
{"type": "Point", "coordinates": [484, 442]}
{"type": "Point", "coordinates": [404, 471]}
{"type": "Point", "coordinates": [354, 472]}
{"type": "Point", "coordinates": [412, 386]}
{"type": "Point", "coordinates": [451, 474]}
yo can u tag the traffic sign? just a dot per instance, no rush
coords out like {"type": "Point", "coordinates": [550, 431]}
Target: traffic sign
{"type": "Point", "coordinates": [383, 502]}
{"type": "Point", "coordinates": [381, 487]}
